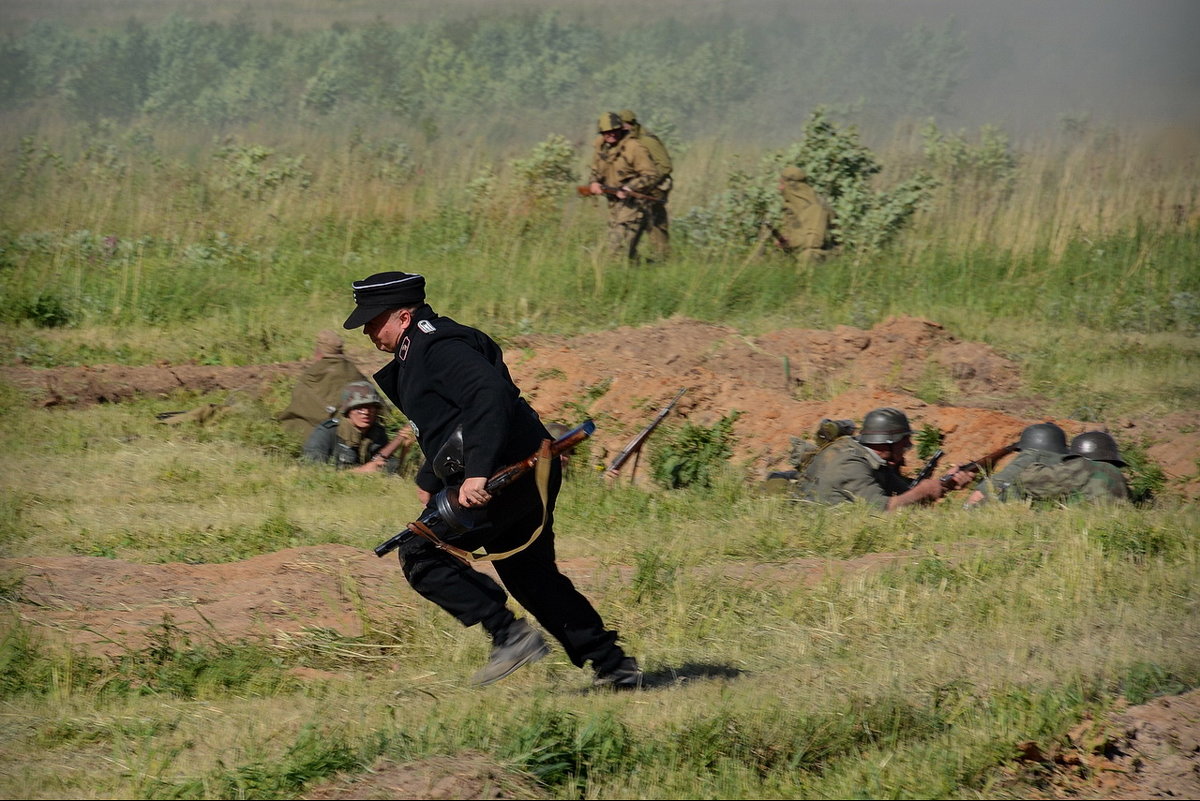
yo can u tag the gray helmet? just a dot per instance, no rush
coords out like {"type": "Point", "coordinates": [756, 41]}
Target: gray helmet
{"type": "Point", "coordinates": [1043, 437]}
{"type": "Point", "coordinates": [1098, 446]}
{"type": "Point", "coordinates": [359, 393]}
{"type": "Point", "coordinates": [884, 426]}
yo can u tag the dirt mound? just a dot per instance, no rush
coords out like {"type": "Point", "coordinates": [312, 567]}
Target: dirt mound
{"type": "Point", "coordinates": [113, 383]}
{"type": "Point", "coordinates": [109, 606]}
{"type": "Point", "coordinates": [1146, 751]}
{"type": "Point", "coordinates": [623, 376]}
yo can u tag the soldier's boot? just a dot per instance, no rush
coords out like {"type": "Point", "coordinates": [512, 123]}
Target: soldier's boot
{"type": "Point", "coordinates": [513, 647]}
{"type": "Point", "coordinates": [626, 675]}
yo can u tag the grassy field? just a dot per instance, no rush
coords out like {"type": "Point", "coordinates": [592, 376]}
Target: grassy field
{"type": "Point", "coordinates": [914, 680]}
{"type": "Point", "coordinates": [150, 238]}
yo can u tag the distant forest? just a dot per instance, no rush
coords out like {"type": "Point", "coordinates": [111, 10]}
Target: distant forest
{"type": "Point", "coordinates": [502, 65]}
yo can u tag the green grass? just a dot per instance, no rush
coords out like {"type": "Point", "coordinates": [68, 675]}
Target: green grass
{"type": "Point", "coordinates": [793, 651]}
{"type": "Point", "coordinates": [912, 678]}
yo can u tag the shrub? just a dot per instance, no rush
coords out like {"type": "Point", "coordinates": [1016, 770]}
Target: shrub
{"type": "Point", "coordinates": [692, 455]}
{"type": "Point", "coordinates": [839, 167]}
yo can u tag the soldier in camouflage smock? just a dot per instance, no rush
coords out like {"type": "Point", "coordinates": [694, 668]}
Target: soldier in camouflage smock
{"type": "Point", "coordinates": [1045, 470]}
{"type": "Point", "coordinates": [318, 389]}
{"type": "Point", "coordinates": [868, 468]}
{"type": "Point", "coordinates": [1041, 444]}
{"type": "Point", "coordinates": [625, 165]}
{"type": "Point", "coordinates": [1106, 483]}
{"type": "Point", "coordinates": [658, 232]}
{"type": "Point", "coordinates": [806, 217]}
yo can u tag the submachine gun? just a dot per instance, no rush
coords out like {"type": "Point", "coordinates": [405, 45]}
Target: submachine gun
{"type": "Point", "coordinates": [445, 517]}
{"type": "Point", "coordinates": [928, 469]}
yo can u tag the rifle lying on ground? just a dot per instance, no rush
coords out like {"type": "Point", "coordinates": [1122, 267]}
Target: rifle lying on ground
{"type": "Point", "coordinates": [928, 469]}
{"type": "Point", "coordinates": [635, 445]}
{"type": "Point", "coordinates": [586, 191]}
{"type": "Point", "coordinates": [444, 516]}
{"type": "Point", "coordinates": [983, 463]}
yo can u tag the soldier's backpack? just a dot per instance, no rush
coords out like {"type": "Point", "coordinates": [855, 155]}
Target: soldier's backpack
{"type": "Point", "coordinates": [1055, 480]}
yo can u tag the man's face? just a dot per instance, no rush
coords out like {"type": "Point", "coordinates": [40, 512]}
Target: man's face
{"type": "Point", "coordinates": [893, 453]}
{"type": "Point", "coordinates": [895, 456]}
{"type": "Point", "coordinates": [362, 417]}
{"type": "Point", "coordinates": [385, 328]}
{"type": "Point", "coordinates": [613, 136]}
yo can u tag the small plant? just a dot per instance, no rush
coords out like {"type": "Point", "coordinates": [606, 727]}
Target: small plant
{"type": "Point", "coordinates": [840, 168]}
{"type": "Point", "coordinates": [255, 172]}
{"type": "Point", "coordinates": [548, 170]}
{"type": "Point", "coordinates": [989, 164]}
{"type": "Point", "coordinates": [562, 749]}
{"type": "Point", "coordinates": [653, 575]}
{"type": "Point", "coordinates": [1132, 538]}
{"type": "Point", "coordinates": [692, 455]}
{"type": "Point", "coordinates": [1146, 479]}
{"type": "Point", "coordinates": [928, 440]}
{"type": "Point", "coordinates": [1146, 680]}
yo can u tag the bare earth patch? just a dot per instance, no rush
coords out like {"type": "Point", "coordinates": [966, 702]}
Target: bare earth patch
{"type": "Point", "coordinates": [767, 378]}
{"type": "Point", "coordinates": [467, 775]}
{"type": "Point", "coordinates": [1146, 751]}
{"type": "Point", "coordinates": [107, 606]}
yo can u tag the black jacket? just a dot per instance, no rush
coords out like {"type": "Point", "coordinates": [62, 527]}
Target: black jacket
{"type": "Point", "coordinates": [444, 374]}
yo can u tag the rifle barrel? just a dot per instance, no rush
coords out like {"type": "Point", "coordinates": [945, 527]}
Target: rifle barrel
{"type": "Point", "coordinates": [635, 444]}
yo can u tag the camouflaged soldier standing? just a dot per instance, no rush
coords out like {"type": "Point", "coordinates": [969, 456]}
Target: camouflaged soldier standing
{"type": "Point", "coordinates": [658, 232]}
{"type": "Point", "coordinates": [624, 164]}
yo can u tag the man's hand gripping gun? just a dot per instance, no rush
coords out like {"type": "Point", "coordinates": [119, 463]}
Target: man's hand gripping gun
{"type": "Point", "coordinates": [983, 463]}
{"type": "Point", "coordinates": [445, 517]}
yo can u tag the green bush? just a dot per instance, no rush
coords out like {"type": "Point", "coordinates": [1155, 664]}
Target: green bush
{"type": "Point", "coordinates": [839, 167]}
{"type": "Point", "coordinates": [693, 455]}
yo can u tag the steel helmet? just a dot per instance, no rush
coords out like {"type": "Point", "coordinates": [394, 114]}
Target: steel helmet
{"type": "Point", "coordinates": [1099, 446]}
{"type": "Point", "coordinates": [359, 393]}
{"type": "Point", "coordinates": [884, 426]}
{"type": "Point", "coordinates": [610, 121]}
{"type": "Point", "coordinates": [1043, 437]}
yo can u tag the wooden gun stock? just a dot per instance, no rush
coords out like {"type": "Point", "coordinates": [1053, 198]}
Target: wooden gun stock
{"type": "Point", "coordinates": [436, 515]}
{"type": "Point", "coordinates": [567, 442]}
{"type": "Point", "coordinates": [983, 463]}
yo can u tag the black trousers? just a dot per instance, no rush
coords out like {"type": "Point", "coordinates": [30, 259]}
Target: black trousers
{"type": "Point", "coordinates": [531, 576]}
